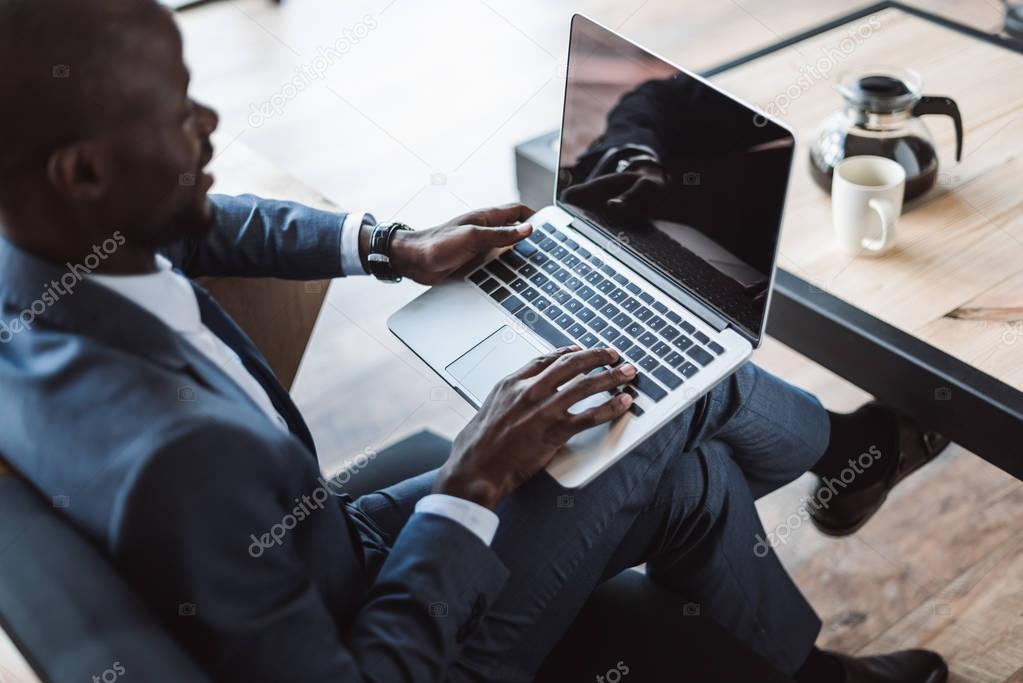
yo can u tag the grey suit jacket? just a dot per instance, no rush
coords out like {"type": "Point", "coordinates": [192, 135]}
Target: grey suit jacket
{"type": "Point", "coordinates": [207, 509]}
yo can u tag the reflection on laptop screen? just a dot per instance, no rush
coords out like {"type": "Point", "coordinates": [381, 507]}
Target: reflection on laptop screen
{"type": "Point", "coordinates": [686, 178]}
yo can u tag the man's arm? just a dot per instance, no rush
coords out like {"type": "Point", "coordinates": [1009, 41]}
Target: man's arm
{"type": "Point", "coordinates": [254, 237]}
{"type": "Point", "coordinates": [189, 530]}
{"type": "Point", "coordinates": [185, 535]}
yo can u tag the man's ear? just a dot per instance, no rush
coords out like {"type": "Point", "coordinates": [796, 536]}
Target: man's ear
{"type": "Point", "coordinates": [79, 171]}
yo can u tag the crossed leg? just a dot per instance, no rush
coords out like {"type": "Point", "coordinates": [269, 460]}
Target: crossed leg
{"type": "Point", "coordinates": [682, 502]}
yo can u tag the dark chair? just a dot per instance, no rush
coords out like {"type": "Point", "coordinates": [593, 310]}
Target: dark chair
{"type": "Point", "coordinates": [67, 611]}
{"type": "Point", "coordinates": [71, 616]}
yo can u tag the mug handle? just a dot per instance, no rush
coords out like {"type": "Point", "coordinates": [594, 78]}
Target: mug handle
{"type": "Point", "coordinates": [886, 210]}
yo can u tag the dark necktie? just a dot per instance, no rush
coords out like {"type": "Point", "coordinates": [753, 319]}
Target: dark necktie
{"type": "Point", "coordinates": [221, 324]}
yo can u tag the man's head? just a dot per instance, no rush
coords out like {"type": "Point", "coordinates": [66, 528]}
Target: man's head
{"type": "Point", "coordinates": [99, 134]}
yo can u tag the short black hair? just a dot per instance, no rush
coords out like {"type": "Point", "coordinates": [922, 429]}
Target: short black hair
{"type": "Point", "coordinates": [59, 77]}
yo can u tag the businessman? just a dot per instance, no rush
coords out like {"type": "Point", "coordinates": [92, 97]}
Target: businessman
{"type": "Point", "coordinates": [467, 573]}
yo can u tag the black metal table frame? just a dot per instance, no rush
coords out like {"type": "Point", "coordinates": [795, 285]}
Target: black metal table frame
{"type": "Point", "coordinates": [971, 407]}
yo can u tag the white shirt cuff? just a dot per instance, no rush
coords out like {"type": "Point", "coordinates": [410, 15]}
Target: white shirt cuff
{"type": "Point", "coordinates": [351, 264]}
{"type": "Point", "coordinates": [472, 516]}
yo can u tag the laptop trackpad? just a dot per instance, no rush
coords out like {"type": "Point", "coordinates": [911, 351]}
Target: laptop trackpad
{"type": "Point", "coordinates": [490, 361]}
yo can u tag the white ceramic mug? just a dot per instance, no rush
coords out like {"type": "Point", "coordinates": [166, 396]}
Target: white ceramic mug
{"type": "Point", "coordinates": [866, 201]}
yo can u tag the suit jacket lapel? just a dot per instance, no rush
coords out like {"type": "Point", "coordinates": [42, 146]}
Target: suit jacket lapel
{"type": "Point", "coordinates": [221, 324]}
{"type": "Point", "coordinates": [35, 290]}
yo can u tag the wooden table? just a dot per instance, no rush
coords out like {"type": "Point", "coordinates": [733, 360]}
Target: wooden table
{"type": "Point", "coordinates": [935, 327]}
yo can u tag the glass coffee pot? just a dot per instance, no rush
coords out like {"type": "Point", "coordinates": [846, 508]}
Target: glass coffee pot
{"type": "Point", "coordinates": [881, 117]}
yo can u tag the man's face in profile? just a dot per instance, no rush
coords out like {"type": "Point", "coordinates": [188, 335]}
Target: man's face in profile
{"type": "Point", "coordinates": [156, 186]}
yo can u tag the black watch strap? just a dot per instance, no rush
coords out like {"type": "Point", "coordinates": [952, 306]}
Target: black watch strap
{"type": "Point", "coordinates": [379, 257]}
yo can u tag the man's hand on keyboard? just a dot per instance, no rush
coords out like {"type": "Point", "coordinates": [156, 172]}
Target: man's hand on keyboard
{"type": "Point", "coordinates": [429, 256]}
{"type": "Point", "coordinates": [526, 419]}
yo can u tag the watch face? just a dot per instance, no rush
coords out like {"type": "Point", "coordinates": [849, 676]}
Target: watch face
{"type": "Point", "coordinates": [379, 257]}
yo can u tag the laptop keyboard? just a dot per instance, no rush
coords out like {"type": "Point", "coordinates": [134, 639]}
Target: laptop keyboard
{"type": "Point", "coordinates": [567, 295]}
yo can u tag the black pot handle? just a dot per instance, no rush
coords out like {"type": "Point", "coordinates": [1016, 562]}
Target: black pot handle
{"type": "Point", "coordinates": [944, 106]}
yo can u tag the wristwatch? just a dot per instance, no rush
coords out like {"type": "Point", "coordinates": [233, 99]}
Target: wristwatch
{"type": "Point", "coordinates": [379, 257]}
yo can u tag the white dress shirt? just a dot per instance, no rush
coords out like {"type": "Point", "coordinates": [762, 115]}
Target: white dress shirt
{"type": "Point", "coordinates": [170, 297]}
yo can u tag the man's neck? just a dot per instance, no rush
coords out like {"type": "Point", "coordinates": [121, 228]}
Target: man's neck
{"type": "Point", "coordinates": [128, 262]}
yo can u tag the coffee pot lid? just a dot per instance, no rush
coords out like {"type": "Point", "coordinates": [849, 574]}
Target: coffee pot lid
{"type": "Point", "coordinates": [880, 89]}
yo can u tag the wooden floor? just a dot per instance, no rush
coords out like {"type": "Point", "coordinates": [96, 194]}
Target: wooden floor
{"type": "Point", "coordinates": [411, 110]}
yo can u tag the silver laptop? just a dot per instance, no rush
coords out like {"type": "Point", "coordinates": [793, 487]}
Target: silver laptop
{"type": "Point", "coordinates": [661, 243]}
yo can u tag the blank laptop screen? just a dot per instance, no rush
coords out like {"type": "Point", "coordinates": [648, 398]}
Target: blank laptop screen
{"type": "Point", "coordinates": [684, 177]}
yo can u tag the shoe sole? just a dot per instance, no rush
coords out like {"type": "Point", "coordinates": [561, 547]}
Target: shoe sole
{"type": "Point", "coordinates": [839, 532]}
{"type": "Point", "coordinates": [939, 676]}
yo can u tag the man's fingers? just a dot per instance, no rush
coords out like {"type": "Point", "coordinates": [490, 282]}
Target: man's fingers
{"type": "Point", "coordinates": [606, 412]}
{"type": "Point", "coordinates": [537, 365]}
{"type": "Point", "coordinates": [500, 215]}
{"type": "Point", "coordinates": [487, 238]}
{"type": "Point", "coordinates": [572, 364]}
{"type": "Point", "coordinates": [594, 383]}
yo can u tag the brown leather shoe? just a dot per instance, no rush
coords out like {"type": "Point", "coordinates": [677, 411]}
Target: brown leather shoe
{"type": "Point", "coordinates": [846, 510]}
{"type": "Point", "coordinates": [908, 666]}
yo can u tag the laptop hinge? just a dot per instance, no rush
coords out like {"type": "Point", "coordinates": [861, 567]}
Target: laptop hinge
{"type": "Point", "coordinates": [673, 290]}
